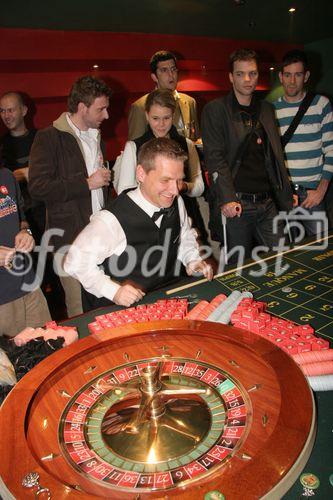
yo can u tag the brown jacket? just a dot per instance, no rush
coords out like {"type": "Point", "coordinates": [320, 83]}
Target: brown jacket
{"type": "Point", "coordinates": [58, 177]}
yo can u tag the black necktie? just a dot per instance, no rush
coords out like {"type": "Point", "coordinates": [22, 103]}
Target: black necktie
{"type": "Point", "coordinates": [162, 211]}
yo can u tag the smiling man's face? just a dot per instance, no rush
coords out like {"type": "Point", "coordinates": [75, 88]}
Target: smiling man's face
{"type": "Point", "coordinates": [160, 184]}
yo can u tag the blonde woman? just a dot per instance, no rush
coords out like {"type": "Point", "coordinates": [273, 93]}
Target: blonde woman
{"type": "Point", "coordinates": [160, 108]}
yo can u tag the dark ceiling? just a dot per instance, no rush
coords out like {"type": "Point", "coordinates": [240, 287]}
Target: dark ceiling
{"type": "Point", "coordinates": [253, 19]}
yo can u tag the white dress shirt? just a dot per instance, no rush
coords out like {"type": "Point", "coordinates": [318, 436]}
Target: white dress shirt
{"type": "Point", "coordinates": [104, 236]}
{"type": "Point", "coordinates": [93, 158]}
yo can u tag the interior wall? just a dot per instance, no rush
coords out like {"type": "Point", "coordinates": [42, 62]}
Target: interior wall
{"type": "Point", "coordinates": [43, 64]}
{"type": "Point", "coordinates": [320, 54]}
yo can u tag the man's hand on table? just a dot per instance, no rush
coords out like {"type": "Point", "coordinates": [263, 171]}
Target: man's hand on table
{"type": "Point", "coordinates": [200, 267]}
{"type": "Point", "coordinates": [127, 295]}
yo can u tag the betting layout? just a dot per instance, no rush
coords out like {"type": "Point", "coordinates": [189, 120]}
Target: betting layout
{"type": "Point", "coordinates": [302, 293]}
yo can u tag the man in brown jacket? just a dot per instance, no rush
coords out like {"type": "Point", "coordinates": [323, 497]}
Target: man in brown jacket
{"type": "Point", "coordinates": [67, 171]}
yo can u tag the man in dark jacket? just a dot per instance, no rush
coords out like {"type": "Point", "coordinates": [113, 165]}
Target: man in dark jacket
{"type": "Point", "coordinates": [245, 162]}
{"type": "Point", "coordinates": [67, 172]}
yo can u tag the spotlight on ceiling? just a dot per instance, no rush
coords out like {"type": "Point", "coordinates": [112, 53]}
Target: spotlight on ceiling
{"type": "Point", "coordinates": [292, 9]}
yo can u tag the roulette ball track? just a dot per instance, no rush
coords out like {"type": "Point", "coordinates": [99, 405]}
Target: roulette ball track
{"type": "Point", "coordinates": [165, 409]}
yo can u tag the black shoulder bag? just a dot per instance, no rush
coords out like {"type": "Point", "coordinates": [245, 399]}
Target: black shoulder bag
{"type": "Point", "coordinates": [304, 106]}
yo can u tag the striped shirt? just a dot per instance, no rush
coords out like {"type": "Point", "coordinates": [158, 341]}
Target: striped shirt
{"type": "Point", "coordinates": [309, 153]}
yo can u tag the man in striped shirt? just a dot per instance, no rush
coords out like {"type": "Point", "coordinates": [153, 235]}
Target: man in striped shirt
{"type": "Point", "coordinates": [309, 152]}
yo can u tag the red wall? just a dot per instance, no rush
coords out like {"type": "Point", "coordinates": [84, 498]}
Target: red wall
{"type": "Point", "coordinates": [44, 64]}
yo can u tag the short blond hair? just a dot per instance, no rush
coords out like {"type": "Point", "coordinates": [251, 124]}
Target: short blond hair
{"type": "Point", "coordinates": [161, 146]}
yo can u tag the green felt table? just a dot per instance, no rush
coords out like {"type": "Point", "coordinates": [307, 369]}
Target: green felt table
{"type": "Point", "coordinates": [296, 285]}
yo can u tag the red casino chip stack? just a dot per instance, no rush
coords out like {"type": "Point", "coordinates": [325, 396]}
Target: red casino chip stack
{"type": "Point", "coordinates": [161, 310]}
{"type": "Point", "coordinates": [252, 316]}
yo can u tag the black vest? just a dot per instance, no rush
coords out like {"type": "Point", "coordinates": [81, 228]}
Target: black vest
{"type": "Point", "coordinates": [142, 234]}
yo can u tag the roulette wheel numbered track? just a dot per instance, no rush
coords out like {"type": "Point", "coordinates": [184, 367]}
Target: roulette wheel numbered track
{"type": "Point", "coordinates": [83, 420]}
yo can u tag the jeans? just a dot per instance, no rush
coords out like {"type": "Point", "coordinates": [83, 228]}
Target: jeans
{"type": "Point", "coordinates": [312, 225]}
{"type": "Point", "coordinates": [253, 227]}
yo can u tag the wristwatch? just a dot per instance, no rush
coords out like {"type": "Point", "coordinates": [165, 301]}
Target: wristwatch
{"type": "Point", "coordinates": [28, 230]}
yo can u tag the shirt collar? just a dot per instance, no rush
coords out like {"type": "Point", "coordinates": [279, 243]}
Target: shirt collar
{"type": "Point", "coordinates": [293, 103]}
{"type": "Point", "coordinates": [91, 132]}
{"type": "Point", "coordinates": [137, 196]}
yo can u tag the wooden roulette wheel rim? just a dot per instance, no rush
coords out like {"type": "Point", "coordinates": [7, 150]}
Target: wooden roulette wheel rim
{"type": "Point", "coordinates": [268, 449]}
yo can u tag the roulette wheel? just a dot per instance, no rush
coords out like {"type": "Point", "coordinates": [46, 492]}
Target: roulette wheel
{"type": "Point", "coordinates": [165, 409]}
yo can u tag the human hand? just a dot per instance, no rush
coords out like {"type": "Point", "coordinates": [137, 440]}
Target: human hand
{"type": "Point", "coordinates": [127, 295]}
{"type": "Point", "coordinates": [232, 209]}
{"type": "Point", "coordinates": [24, 242]}
{"type": "Point", "coordinates": [21, 174]}
{"type": "Point", "coordinates": [101, 177]}
{"type": "Point", "coordinates": [6, 256]}
{"type": "Point", "coordinates": [313, 198]}
{"type": "Point", "coordinates": [200, 267]}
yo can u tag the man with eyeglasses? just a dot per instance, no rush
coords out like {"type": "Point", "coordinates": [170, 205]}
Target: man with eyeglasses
{"type": "Point", "coordinates": [243, 155]}
{"type": "Point", "coordinates": [164, 73]}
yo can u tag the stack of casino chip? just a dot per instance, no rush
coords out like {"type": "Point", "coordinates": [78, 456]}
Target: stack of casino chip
{"type": "Point", "coordinates": [219, 309]}
{"type": "Point", "coordinates": [292, 338]}
{"type": "Point", "coordinates": [52, 331]}
{"type": "Point", "coordinates": [204, 308]}
{"type": "Point", "coordinates": [161, 310]}
{"type": "Point", "coordinates": [312, 353]}
{"type": "Point", "coordinates": [317, 366]}
{"type": "Point", "coordinates": [224, 311]}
